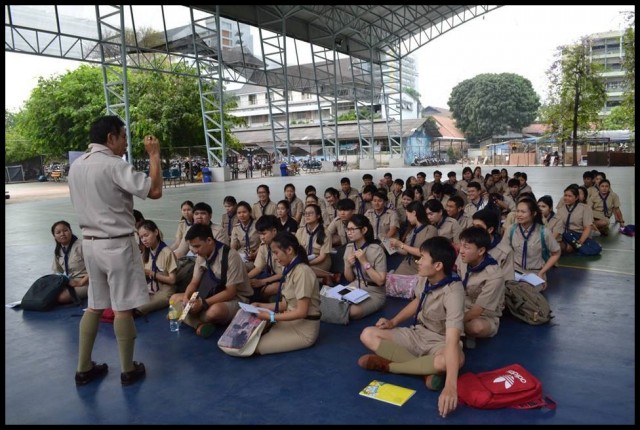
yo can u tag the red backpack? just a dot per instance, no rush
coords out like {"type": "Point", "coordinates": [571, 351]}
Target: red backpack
{"type": "Point", "coordinates": [508, 387]}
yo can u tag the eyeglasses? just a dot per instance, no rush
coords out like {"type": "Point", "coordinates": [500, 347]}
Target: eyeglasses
{"type": "Point", "coordinates": [352, 229]}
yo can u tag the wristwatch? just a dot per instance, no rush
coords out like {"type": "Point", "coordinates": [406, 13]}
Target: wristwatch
{"type": "Point", "coordinates": [367, 266]}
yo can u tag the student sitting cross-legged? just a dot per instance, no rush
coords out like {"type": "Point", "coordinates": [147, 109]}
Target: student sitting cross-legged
{"type": "Point", "coordinates": [431, 345]}
{"type": "Point", "coordinates": [266, 272]}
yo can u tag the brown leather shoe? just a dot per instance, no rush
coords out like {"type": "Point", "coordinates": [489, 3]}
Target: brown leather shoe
{"type": "Point", "coordinates": [96, 371]}
{"type": "Point", "coordinates": [128, 378]}
{"type": "Point", "coordinates": [374, 362]}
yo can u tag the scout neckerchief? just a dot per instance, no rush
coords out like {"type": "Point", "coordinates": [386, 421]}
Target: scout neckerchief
{"type": "Point", "coordinates": [212, 260]}
{"type": "Point", "coordinates": [229, 223]}
{"type": "Point", "coordinates": [604, 203]}
{"type": "Point", "coordinates": [378, 217]}
{"type": "Point", "coordinates": [429, 288]}
{"type": "Point", "coordinates": [495, 240]}
{"type": "Point", "coordinates": [264, 207]}
{"type": "Point", "coordinates": [395, 198]}
{"type": "Point", "coordinates": [412, 242]}
{"type": "Point", "coordinates": [311, 235]}
{"type": "Point", "coordinates": [486, 261]}
{"type": "Point", "coordinates": [247, 240]}
{"type": "Point", "coordinates": [154, 265]}
{"type": "Point", "coordinates": [285, 272]}
{"type": "Point", "coordinates": [358, 266]}
{"type": "Point", "coordinates": [270, 261]}
{"type": "Point", "coordinates": [566, 224]}
{"type": "Point", "coordinates": [362, 205]}
{"type": "Point", "coordinates": [526, 237]}
{"type": "Point", "coordinates": [480, 204]}
{"type": "Point", "coordinates": [66, 251]}
{"type": "Point", "coordinates": [441, 223]}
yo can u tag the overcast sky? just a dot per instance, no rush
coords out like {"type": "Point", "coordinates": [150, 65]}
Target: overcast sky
{"type": "Point", "coordinates": [510, 39]}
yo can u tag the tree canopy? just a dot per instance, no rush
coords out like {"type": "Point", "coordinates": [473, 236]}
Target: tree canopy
{"type": "Point", "coordinates": [491, 104]}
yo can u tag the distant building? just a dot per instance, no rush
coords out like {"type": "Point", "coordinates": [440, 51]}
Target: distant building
{"type": "Point", "coordinates": [607, 49]}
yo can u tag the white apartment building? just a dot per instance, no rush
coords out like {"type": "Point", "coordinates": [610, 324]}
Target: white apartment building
{"type": "Point", "coordinates": [607, 49]}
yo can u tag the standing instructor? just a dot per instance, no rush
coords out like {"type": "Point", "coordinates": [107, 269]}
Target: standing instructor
{"type": "Point", "coordinates": [102, 186]}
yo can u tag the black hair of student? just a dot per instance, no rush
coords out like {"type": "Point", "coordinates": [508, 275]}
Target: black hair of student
{"type": "Point", "coordinates": [367, 176]}
{"type": "Point", "coordinates": [513, 182]}
{"type": "Point", "coordinates": [369, 189]}
{"type": "Point", "coordinates": [388, 175]}
{"type": "Point", "coordinates": [294, 190]}
{"type": "Point", "coordinates": [246, 205]}
{"type": "Point", "coordinates": [138, 217]}
{"type": "Point", "coordinates": [434, 205]}
{"type": "Point", "coordinates": [309, 189]}
{"type": "Point", "coordinates": [410, 192]}
{"type": "Point", "coordinates": [451, 173]}
{"type": "Point", "coordinates": [361, 221]}
{"type": "Point", "coordinates": [467, 169]}
{"type": "Point", "coordinates": [421, 174]}
{"type": "Point", "coordinates": [188, 203]}
{"type": "Point", "coordinates": [588, 174]}
{"type": "Point", "coordinates": [313, 197]}
{"type": "Point", "coordinates": [101, 127]}
{"type": "Point", "coordinates": [382, 195]}
{"type": "Point", "coordinates": [231, 200]}
{"type": "Point", "coordinates": [202, 206]}
{"type": "Point", "coordinates": [604, 181]}
{"type": "Point", "coordinates": [441, 250]}
{"type": "Point", "coordinates": [573, 190]}
{"type": "Point", "coordinates": [495, 171]}
{"type": "Point", "coordinates": [532, 205]}
{"type": "Point", "coordinates": [421, 213]}
{"type": "Point", "coordinates": [58, 250]}
{"type": "Point", "coordinates": [496, 196]}
{"type": "Point", "coordinates": [437, 188]}
{"type": "Point", "coordinates": [286, 204]}
{"type": "Point", "coordinates": [333, 191]}
{"type": "Point", "coordinates": [489, 217]}
{"type": "Point", "coordinates": [584, 191]}
{"type": "Point", "coordinates": [547, 200]}
{"type": "Point", "coordinates": [523, 175]}
{"type": "Point", "coordinates": [604, 175]}
{"type": "Point", "coordinates": [516, 175]}
{"type": "Point", "coordinates": [267, 222]}
{"type": "Point", "coordinates": [457, 200]}
{"type": "Point", "coordinates": [345, 180]}
{"type": "Point", "coordinates": [199, 231]}
{"type": "Point", "coordinates": [474, 184]}
{"type": "Point", "coordinates": [399, 181]}
{"type": "Point", "coordinates": [477, 236]}
{"type": "Point", "coordinates": [437, 172]}
{"type": "Point", "coordinates": [346, 205]}
{"type": "Point", "coordinates": [418, 191]}
{"type": "Point", "coordinates": [266, 188]}
{"type": "Point", "coordinates": [321, 235]}
{"type": "Point", "coordinates": [449, 190]}
{"type": "Point", "coordinates": [526, 194]}
{"type": "Point", "coordinates": [285, 240]}
{"type": "Point", "coordinates": [151, 226]}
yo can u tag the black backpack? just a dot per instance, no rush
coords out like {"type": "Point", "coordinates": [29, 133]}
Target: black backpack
{"type": "Point", "coordinates": [43, 294]}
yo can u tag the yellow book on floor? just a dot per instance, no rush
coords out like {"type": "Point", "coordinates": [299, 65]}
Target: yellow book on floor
{"type": "Point", "coordinates": [394, 394]}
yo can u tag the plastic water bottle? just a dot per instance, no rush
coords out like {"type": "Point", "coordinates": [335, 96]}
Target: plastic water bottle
{"type": "Point", "coordinates": [174, 324]}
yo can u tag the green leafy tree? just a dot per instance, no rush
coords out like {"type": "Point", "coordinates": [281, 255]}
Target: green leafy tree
{"type": "Point", "coordinates": [490, 104]}
{"type": "Point", "coordinates": [616, 120]}
{"type": "Point", "coordinates": [576, 94]}
{"type": "Point", "coordinates": [365, 114]}
{"type": "Point", "coordinates": [16, 146]}
{"type": "Point", "coordinates": [628, 106]}
{"type": "Point", "coordinates": [415, 95]}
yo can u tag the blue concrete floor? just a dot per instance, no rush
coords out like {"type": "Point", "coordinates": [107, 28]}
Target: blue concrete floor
{"type": "Point", "coordinates": [585, 358]}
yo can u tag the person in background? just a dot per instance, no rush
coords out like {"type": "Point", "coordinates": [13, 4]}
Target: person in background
{"type": "Point", "coordinates": [314, 239]}
{"type": "Point", "coordinates": [186, 220]}
{"type": "Point", "coordinates": [283, 214]}
{"type": "Point", "coordinates": [229, 217]}
{"type": "Point", "coordinates": [264, 205]}
{"type": "Point", "coordinates": [296, 206]}
{"type": "Point", "coordinates": [68, 259]}
{"type": "Point", "coordinates": [102, 186]}
{"type": "Point", "coordinates": [202, 215]}
{"type": "Point", "coordinates": [331, 196]}
{"type": "Point", "coordinates": [367, 179]}
{"type": "Point", "coordinates": [409, 249]}
{"type": "Point", "coordinates": [455, 210]}
{"type": "Point", "coordinates": [266, 271]}
{"type": "Point", "coordinates": [244, 236]}
{"type": "Point", "coordinates": [575, 216]}
{"type": "Point", "coordinates": [444, 224]}
{"type": "Point", "coordinates": [160, 268]}
{"type": "Point", "coordinates": [295, 315]}
{"type": "Point", "coordinates": [431, 345]}
{"type": "Point", "coordinates": [139, 219]}
{"type": "Point", "coordinates": [549, 218]}
{"type": "Point", "coordinates": [384, 220]}
{"type": "Point", "coordinates": [605, 203]}
{"type": "Point", "coordinates": [500, 251]}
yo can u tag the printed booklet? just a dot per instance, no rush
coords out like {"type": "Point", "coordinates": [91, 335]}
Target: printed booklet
{"type": "Point", "coordinates": [390, 393]}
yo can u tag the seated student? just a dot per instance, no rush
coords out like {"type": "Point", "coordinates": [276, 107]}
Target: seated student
{"type": "Point", "coordinates": [314, 239]}
{"type": "Point", "coordinates": [337, 230]}
{"type": "Point", "coordinates": [266, 271]}
{"type": "Point", "coordinates": [437, 193]}
{"type": "Point", "coordinates": [549, 218]}
{"type": "Point", "coordinates": [296, 206]}
{"type": "Point", "coordinates": [431, 345]}
{"type": "Point", "coordinates": [160, 268]}
{"type": "Point", "coordinates": [244, 237]}
{"type": "Point", "coordinates": [508, 203]}
{"type": "Point", "coordinates": [264, 205]}
{"type": "Point", "coordinates": [588, 180]}
{"type": "Point", "coordinates": [367, 179]}
{"type": "Point", "coordinates": [348, 192]}
{"type": "Point", "coordinates": [406, 251]}
{"type": "Point", "coordinates": [483, 283]}
{"type": "Point", "coordinates": [511, 216]}
{"type": "Point", "coordinates": [500, 251]}
{"type": "Point", "coordinates": [522, 178]}
{"type": "Point", "coordinates": [395, 194]}
{"type": "Point", "coordinates": [186, 208]}
{"type": "Point", "coordinates": [202, 215]}
{"type": "Point", "coordinates": [367, 197]}
{"type": "Point", "coordinates": [283, 214]}
{"type": "Point", "coordinates": [139, 219]}
{"type": "Point", "coordinates": [476, 200]}
{"type": "Point", "coordinates": [575, 216]}
{"type": "Point", "coordinates": [311, 199]}
{"type": "Point", "coordinates": [365, 266]}
{"type": "Point", "coordinates": [331, 197]}
{"type": "Point", "coordinates": [455, 210]}
{"type": "Point", "coordinates": [528, 250]}
{"type": "Point", "coordinates": [229, 217]}
{"type": "Point", "coordinates": [418, 194]}
{"type": "Point", "coordinates": [295, 315]}
{"type": "Point", "coordinates": [603, 204]}
{"type": "Point", "coordinates": [445, 225]}
{"type": "Point", "coordinates": [383, 219]}
{"type": "Point", "coordinates": [408, 196]}
{"type": "Point", "coordinates": [219, 293]}
{"type": "Point", "coordinates": [311, 190]}
{"type": "Point", "coordinates": [68, 259]}
{"type": "Point", "coordinates": [583, 195]}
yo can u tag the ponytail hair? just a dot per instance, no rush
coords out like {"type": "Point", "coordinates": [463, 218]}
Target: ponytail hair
{"type": "Point", "coordinates": [285, 240]}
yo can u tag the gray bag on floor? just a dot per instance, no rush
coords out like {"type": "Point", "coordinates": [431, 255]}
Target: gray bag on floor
{"type": "Point", "coordinates": [334, 311]}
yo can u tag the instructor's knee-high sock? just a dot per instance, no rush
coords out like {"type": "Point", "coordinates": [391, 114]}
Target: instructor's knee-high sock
{"type": "Point", "coordinates": [418, 366]}
{"type": "Point", "coordinates": [393, 352]}
{"type": "Point", "coordinates": [125, 331]}
{"type": "Point", "coordinates": [87, 337]}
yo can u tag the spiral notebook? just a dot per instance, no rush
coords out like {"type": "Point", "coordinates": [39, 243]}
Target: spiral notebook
{"type": "Point", "coordinates": [389, 393]}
